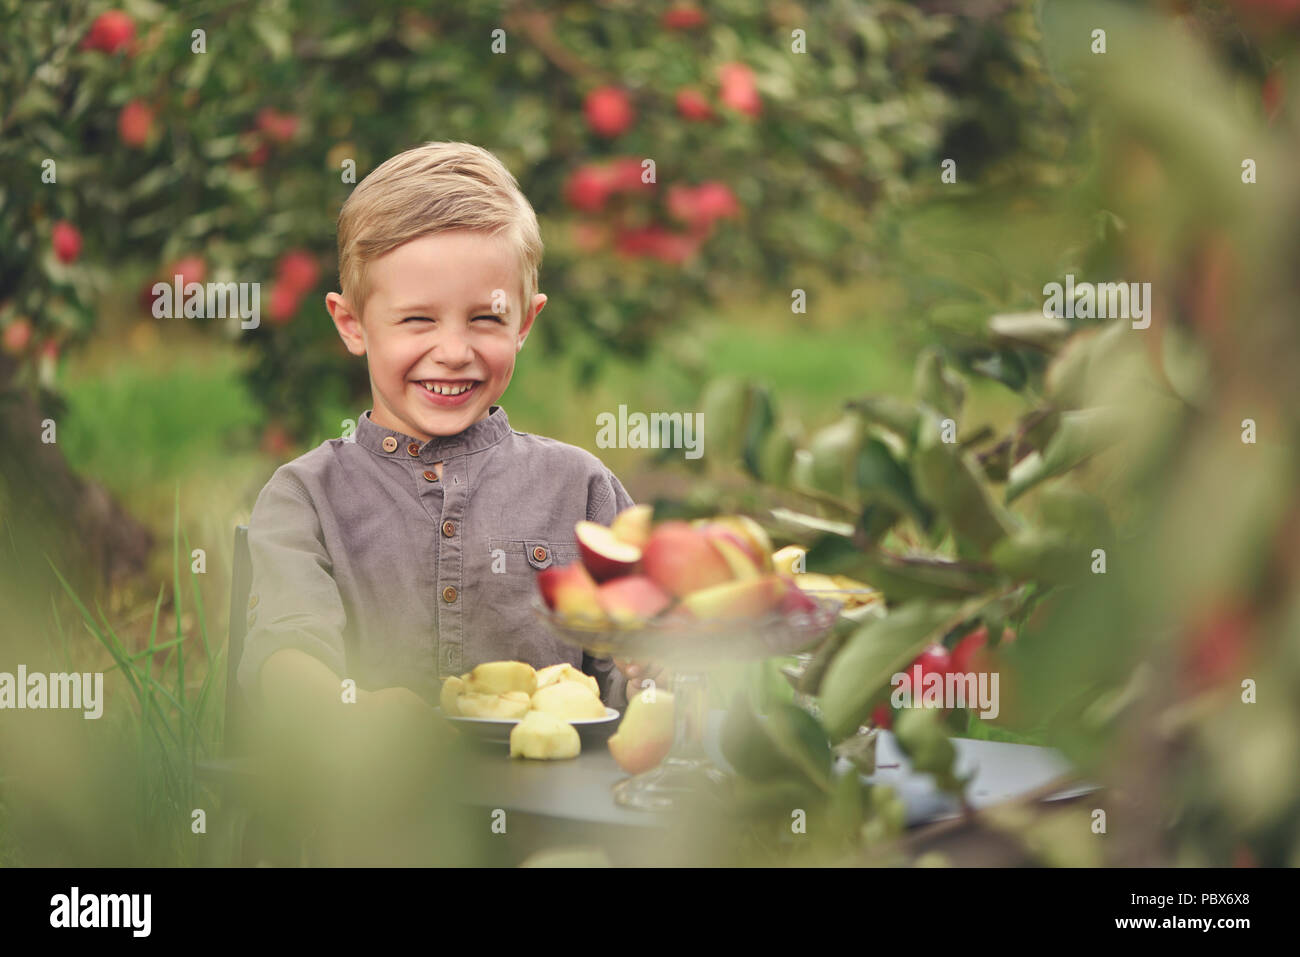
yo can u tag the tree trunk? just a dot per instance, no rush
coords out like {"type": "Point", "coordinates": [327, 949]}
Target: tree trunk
{"type": "Point", "coordinates": [47, 510]}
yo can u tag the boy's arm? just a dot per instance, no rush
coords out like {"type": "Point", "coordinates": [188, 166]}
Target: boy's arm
{"type": "Point", "coordinates": [294, 658]}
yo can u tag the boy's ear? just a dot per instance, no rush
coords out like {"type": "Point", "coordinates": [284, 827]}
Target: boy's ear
{"type": "Point", "coordinates": [539, 301]}
{"type": "Point", "coordinates": [347, 323]}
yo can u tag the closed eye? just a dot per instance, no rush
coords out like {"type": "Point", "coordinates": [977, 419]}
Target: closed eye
{"type": "Point", "coordinates": [500, 319]}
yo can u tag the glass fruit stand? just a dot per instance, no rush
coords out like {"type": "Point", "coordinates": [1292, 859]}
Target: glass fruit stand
{"type": "Point", "coordinates": [690, 649]}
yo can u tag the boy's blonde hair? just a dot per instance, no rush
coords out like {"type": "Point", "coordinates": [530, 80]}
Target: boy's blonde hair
{"type": "Point", "coordinates": [432, 188]}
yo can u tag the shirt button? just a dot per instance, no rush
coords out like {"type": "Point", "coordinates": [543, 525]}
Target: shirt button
{"type": "Point", "coordinates": [449, 594]}
{"type": "Point", "coordinates": [389, 443]}
{"type": "Point", "coordinates": [449, 529]}
{"type": "Point", "coordinates": [252, 602]}
{"type": "Point", "coordinates": [413, 448]}
{"type": "Point", "coordinates": [430, 476]}
{"type": "Point", "coordinates": [539, 553]}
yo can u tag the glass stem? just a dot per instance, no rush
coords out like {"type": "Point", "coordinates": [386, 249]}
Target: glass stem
{"type": "Point", "coordinates": [689, 714]}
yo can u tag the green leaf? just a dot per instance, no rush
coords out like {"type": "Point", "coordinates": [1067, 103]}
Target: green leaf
{"type": "Point", "coordinates": [897, 415]}
{"type": "Point", "coordinates": [1078, 437]}
{"type": "Point", "coordinates": [874, 653]}
{"type": "Point", "coordinates": [274, 36]}
{"type": "Point", "coordinates": [952, 483]}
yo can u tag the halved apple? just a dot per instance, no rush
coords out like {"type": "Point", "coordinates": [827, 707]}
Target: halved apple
{"type": "Point", "coordinates": [512, 704]}
{"type": "Point", "coordinates": [564, 671]}
{"type": "Point", "coordinates": [543, 736]}
{"type": "Point", "coordinates": [568, 700]}
{"type": "Point", "coordinates": [604, 554]}
{"type": "Point", "coordinates": [632, 525]}
{"type": "Point", "coordinates": [499, 677]}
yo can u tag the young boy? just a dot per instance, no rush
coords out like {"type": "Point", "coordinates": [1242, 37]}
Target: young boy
{"type": "Point", "coordinates": [408, 552]}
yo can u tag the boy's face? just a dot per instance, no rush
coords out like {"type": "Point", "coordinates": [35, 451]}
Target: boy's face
{"type": "Point", "coordinates": [429, 319]}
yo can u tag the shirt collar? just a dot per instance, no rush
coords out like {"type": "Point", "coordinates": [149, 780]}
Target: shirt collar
{"type": "Point", "coordinates": [482, 434]}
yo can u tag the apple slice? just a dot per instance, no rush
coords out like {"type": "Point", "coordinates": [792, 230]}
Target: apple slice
{"type": "Point", "coordinates": [751, 598]}
{"type": "Point", "coordinates": [748, 534]}
{"type": "Point", "coordinates": [632, 599]}
{"type": "Point", "coordinates": [632, 525]}
{"type": "Point", "coordinates": [570, 591]}
{"type": "Point", "coordinates": [737, 557]}
{"type": "Point", "coordinates": [605, 555]}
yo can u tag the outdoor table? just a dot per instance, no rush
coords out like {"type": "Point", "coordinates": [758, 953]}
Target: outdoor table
{"type": "Point", "coordinates": [551, 804]}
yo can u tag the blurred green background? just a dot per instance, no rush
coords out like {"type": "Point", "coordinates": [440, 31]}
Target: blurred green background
{"type": "Point", "coordinates": [1113, 163]}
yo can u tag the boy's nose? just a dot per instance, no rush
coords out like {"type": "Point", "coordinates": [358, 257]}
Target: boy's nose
{"type": "Point", "coordinates": [453, 349]}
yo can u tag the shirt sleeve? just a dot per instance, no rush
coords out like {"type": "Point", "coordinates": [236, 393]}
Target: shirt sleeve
{"type": "Point", "coordinates": [294, 600]}
{"type": "Point", "coordinates": [606, 498]}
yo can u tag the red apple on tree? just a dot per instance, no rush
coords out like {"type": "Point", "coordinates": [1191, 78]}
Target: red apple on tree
{"type": "Point", "coordinates": [609, 111]}
{"type": "Point", "coordinates": [135, 123]}
{"type": "Point", "coordinates": [693, 105]}
{"type": "Point", "coordinates": [17, 336]}
{"type": "Point", "coordinates": [111, 31]}
{"type": "Point", "coordinates": [66, 239]}
{"type": "Point", "coordinates": [739, 91]}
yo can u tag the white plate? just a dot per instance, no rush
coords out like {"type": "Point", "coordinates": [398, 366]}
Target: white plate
{"type": "Point", "coordinates": [498, 729]}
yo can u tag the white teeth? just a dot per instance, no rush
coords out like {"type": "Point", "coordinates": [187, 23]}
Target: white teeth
{"type": "Point", "coordinates": [447, 389]}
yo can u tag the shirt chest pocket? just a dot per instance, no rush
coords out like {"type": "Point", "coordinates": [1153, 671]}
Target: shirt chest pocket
{"type": "Point", "coordinates": [515, 563]}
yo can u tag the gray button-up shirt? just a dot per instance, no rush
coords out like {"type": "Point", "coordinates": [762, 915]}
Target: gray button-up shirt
{"type": "Point", "coordinates": [364, 558]}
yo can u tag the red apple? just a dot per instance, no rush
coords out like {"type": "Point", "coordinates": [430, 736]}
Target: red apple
{"type": "Point", "coordinates": [882, 717]}
{"type": "Point", "coordinates": [933, 660]}
{"type": "Point", "coordinates": [587, 188]}
{"type": "Point", "coordinates": [692, 105]}
{"type": "Point", "coordinates": [298, 270]}
{"type": "Point", "coordinates": [632, 599]}
{"type": "Point", "coordinates": [603, 554]}
{"type": "Point", "coordinates": [110, 32]}
{"type": "Point", "coordinates": [17, 335]}
{"type": "Point", "coordinates": [67, 241]}
{"type": "Point", "coordinates": [284, 302]}
{"type": "Point", "coordinates": [135, 123]}
{"type": "Point", "coordinates": [683, 18]}
{"type": "Point", "coordinates": [751, 598]}
{"type": "Point", "coordinates": [963, 653]}
{"type": "Point", "coordinates": [632, 525]}
{"type": "Point", "coordinates": [739, 91]}
{"type": "Point", "coordinates": [680, 559]}
{"type": "Point", "coordinates": [277, 126]}
{"type": "Point", "coordinates": [609, 111]}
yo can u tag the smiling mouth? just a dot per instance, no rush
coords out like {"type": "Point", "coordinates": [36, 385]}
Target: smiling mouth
{"type": "Point", "coordinates": [448, 387]}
